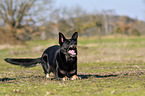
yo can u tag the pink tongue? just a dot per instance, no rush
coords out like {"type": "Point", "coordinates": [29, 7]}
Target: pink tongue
{"type": "Point", "coordinates": [72, 52]}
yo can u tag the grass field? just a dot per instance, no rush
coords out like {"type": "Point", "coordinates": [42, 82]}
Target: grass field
{"type": "Point", "coordinates": [113, 68]}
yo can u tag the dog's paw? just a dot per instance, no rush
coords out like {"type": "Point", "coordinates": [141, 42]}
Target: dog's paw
{"type": "Point", "coordinates": [75, 77]}
{"type": "Point", "coordinates": [48, 76]}
{"type": "Point", "coordinates": [65, 78]}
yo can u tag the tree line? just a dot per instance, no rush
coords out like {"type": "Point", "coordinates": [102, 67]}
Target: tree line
{"type": "Point", "coordinates": [37, 19]}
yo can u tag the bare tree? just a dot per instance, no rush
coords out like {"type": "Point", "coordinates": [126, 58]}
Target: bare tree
{"type": "Point", "coordinates": [107, 16]}
{"type": "Point", "coordinates": [15, 13]}
{"type": "Point", "coordinates": [100, 26]}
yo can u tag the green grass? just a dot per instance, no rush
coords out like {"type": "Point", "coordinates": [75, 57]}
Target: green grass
{"type": "Point", "coordinates": [113, 68]}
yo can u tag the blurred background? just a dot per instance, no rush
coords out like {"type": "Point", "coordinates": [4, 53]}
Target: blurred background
{"type": "Point", "coordinates": [24, 20]}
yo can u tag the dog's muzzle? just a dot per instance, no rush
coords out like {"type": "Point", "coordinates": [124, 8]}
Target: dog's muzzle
{"type": "Point", "coordinates": [72, 51]}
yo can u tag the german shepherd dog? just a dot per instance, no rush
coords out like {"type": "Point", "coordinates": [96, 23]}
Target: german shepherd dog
{"type": "Point", "coordinates": [60, 59]}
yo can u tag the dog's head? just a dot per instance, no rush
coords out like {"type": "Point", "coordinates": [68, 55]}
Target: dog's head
{"type": "Point", "coordinates": [68, 46]}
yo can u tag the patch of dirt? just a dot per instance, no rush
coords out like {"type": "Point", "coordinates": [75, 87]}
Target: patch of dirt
{"type": "Point", "coordinates": [9, 38]}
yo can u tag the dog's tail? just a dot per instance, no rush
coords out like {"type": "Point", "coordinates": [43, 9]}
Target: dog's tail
{"type": "Point", "coordinates": [24, 62]}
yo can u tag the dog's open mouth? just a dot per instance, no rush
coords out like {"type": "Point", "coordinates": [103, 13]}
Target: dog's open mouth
{"type": "Point", "coordinates": [72, 52]}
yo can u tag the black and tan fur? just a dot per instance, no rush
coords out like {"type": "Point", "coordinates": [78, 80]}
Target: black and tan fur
{"type": "Point", "coordinates": [60, 59]}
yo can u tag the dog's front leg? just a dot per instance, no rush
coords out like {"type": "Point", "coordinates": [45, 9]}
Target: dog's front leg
{"type": "Point", "coordinates": [56, 74]}
{"type": "Point", "coordinates": [58, 78]}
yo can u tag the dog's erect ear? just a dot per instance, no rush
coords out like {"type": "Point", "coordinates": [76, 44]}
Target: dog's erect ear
{"type": "Point", "coordinates": [61, 38]}
{"type": "Point", "coordinates": [75, 36]}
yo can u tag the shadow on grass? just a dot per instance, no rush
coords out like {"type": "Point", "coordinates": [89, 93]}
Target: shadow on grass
{"type": "Point", "coordinates": [43, 77]}
{"type": "Point", "coordinates": [96, 76]}
{"type": "Point", "coordinates": [6, 79]}
{"type": "Point", "coordinates": [29, 77]}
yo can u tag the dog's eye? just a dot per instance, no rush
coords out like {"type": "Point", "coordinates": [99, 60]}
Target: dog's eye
{"type": "Point", "coordinates": [74, 47]}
